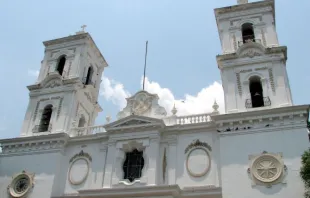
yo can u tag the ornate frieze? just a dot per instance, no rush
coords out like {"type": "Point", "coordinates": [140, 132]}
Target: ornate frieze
{"type": "Point", "coordinates": [39, 146]}
{"type": "Point", "coordinates": [267, 122]}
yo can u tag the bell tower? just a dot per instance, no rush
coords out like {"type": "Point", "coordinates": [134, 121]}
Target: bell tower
{"type": "Point", "coordinates": [66, 91]}
{"type": "Point", "coordinates": [252, 63]}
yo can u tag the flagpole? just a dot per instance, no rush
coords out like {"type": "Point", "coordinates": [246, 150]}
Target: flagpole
{"type": "Point", "coordinates": [145, 63]}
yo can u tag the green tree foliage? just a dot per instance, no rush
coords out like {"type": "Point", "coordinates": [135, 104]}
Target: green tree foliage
{"type": "Point", "coordinates": [305, 171]}
{"type": "Point", "coordinates": [305, 168]}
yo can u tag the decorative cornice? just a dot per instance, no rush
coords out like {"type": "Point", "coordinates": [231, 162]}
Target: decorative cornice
{"type": "Point", "coordinates": [34, 144]}
{"type": "Point", "coordinates": [158, 190]}
{"type": "Point", "coordinates": [249, 8]}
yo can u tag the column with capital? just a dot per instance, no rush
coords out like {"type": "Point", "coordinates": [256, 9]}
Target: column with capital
{"type": "Point", "coordinates": [153, 155]}
{"type": "Point", "coordinates": [172, 159]}
{"type": "Point", "coordinates": [99, 168]}
{"type": "Point", "coordinates": [109, 163]}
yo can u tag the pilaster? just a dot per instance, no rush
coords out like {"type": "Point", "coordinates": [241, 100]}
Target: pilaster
{"type": "Point", "coordinates": [172, 159]}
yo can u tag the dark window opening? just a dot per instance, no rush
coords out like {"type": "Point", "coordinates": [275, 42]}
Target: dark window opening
{"type": "Point", "coordinates": [46, 118]}
{"type": "Point", "coordinates": [89, 76]}
{"type": "Point", "coordinates": [133, 165]}
{"type": "Point", "coordinates": [248, 33]}
{"type": "Point", "coordinates": [256, 91]}
{"type": "Point", "coordinates": [61, 65]}
{"type": "Point", "coordinates": [82, 121]}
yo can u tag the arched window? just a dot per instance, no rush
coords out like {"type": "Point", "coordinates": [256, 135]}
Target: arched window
{"type": "Point", "coordinates": [256, 91]}
{"type": "Point", "coordinates": [46, 118]}
{"type": "Point", "coordinates": [133, 165]}
{"type": "Point", "coordinates": [89, 76]}
{"type": "Point", "coordinates": [248, 33]}
{"type": "Point", "coordinates": [61, 64]}
{"type": "Point", "coordinates": [82, 121]}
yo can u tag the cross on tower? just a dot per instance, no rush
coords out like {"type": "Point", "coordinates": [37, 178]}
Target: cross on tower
{"type": "Point", "coordinates": [83, 27]}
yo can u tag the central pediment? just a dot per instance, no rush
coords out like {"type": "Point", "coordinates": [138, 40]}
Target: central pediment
{"type": "Point", "coordinates": [143, 104]}
{"type": "Point", "coordinates": [134, 122]}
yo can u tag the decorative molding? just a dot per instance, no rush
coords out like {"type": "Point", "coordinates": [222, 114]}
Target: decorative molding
{"type": "Point", "coordinates": [197, 143]}
{"type": "Point", "coordinates": [246, 70]}
{"type": "Point", "coordinates": [133, 122]}
{"type": "Point", "coordinates": [164, 165]}
{"type": "Point", "coordinates": [79, 155]}
{"type": "Point", "coordinates": [261, 68]}
{"type": "Point", "coordinates": [267, 169]}
{"type": "Point", "coordinates": [69, 69]}
{"type": "Point", "coordinates": [21, 184]}
{"type": "Point", "coordinates": [271, 80]}
{"type": "Point", "coordinates": [36, 111]}
{"type": "Point", "coordinates": [239, 84]}
{"type": "Point", "coordinates": [59, 107]}
{"type": "Point", "coordinates": [263, 37]}
{"type": "Point", "coordinates": [53, 83]}
{"type": "Point", "coordinates": [251, 53]}
{"type": "Point", "coordinates": [88, 96]}
{"type": "Point", "coordinates": [234, 42]}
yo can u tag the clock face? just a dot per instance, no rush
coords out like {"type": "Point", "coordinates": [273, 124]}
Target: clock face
{"type": "Point", "coordinates": [141, 104]}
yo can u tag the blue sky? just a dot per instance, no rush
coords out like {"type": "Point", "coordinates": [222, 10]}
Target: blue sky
{"type": "Point", "coordinates": [183, 43]}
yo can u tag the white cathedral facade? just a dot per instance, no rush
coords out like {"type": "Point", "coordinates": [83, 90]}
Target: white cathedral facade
{"type": "Point", "coordinates": [252, 150]}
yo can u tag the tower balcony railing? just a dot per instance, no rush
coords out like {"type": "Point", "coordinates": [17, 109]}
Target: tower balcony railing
{"type": "Point", "coordinates": [249, 39]}
{"type": "Point", "coordinates": [249, 103]}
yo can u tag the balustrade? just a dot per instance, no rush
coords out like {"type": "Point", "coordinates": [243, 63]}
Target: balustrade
{"type": "Point", "coordinates": [193, 119]}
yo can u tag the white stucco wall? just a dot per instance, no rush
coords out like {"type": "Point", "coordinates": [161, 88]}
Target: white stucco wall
{"type": "Point", "coordinates": [183, 178]}
{"type": "Point", "coordinates": [235, 151]}
{"type": "Point", "coordinates": [45, 166]}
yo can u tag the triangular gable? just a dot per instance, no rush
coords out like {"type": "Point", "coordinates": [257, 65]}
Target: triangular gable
{"type": "Point", "coordinates": [134, 121]}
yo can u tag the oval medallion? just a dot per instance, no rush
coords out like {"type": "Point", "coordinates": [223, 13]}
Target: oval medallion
{"type": "Point", "coordinates": [78, 171]}
{"type": "Point", "coordinates": [198, 162]}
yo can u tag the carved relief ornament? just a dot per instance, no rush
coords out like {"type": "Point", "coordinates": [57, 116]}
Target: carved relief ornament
{"type": "Point", "coordinates": [267, 169]}
{"type": "Point", "coordinates": [21, 184]}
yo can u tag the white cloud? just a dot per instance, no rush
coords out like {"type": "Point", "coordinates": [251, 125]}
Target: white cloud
{"type": "Point", "coordinates": [191, 104]}
{"type": "Point", "coordinates": [34, 73]}
{"type": "Point", "coordinates": [114, 91]}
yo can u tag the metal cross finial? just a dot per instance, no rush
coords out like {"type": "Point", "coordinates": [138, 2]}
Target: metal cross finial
{"type": "Point", "coordinates": [83, 27]}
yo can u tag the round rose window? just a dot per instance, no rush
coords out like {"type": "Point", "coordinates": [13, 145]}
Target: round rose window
{"type": "Point", "coordinates": [20, 185]}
